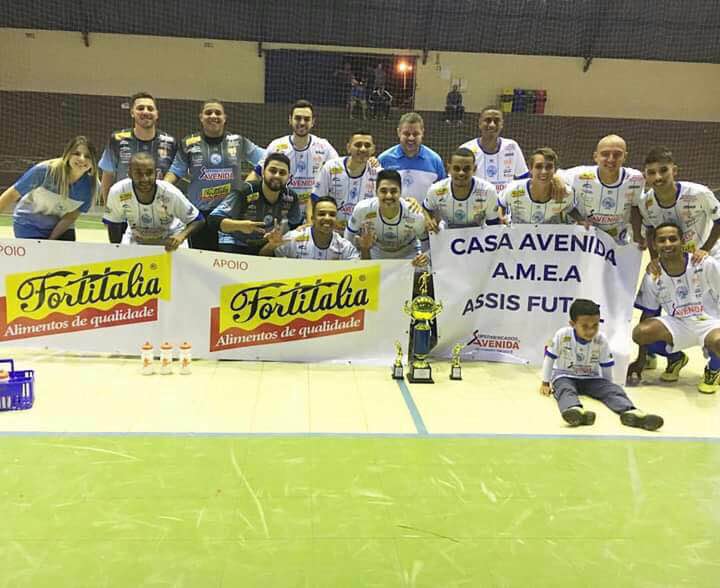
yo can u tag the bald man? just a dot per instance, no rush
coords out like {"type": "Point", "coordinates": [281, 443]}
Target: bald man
{"type": "Point", "coordinates": [607, 194]}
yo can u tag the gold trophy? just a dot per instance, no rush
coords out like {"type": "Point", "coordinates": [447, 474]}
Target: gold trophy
{"type": "Point", "coordinates": [422, 309]}
{"type": "Point", "coordinates": [397, 370]}
{"type": "Point", "coordinates": [455, 369]}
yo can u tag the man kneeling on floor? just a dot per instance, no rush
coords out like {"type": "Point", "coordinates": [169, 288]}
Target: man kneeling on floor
{"type": "Point", "coordinates": [688, 290]}
{"type": "Point", "coordinates": [578, 361]}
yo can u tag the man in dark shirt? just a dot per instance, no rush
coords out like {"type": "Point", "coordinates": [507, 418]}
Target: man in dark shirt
{"type": "Point", "coordinates": [454, 109]}
{"type": "Point", "coordinates": [254, 208]}
{"type": "Point", "coordinates": [379, 102]}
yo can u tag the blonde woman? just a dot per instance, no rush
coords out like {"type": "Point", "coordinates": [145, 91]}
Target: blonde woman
{"type": "Point", "coordinates": [52, 194]}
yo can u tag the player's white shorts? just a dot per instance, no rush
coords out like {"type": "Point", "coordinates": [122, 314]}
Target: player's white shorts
{"type": "Point", "coordinates": [688, 332]}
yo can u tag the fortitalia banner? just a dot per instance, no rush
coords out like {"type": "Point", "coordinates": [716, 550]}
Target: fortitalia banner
{"type": "Point", "coordinates": [110, 298]}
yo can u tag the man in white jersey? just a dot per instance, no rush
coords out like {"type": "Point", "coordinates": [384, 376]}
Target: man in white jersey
{"type": "Point", "coordinates": [418, 165]}
{"type": "Point", "coordinates": [532, 201]}
{"type": "Point", "coordinates": [462, 200]}
{"type": "Point", "coordinates": [319, 241]}
{"type": "Point", "coordinates": [306, 152]}
{"type": "Point", "coordinates": [156, 212]}
{"type": "Point", "coordinates": [689, 293]}
{"type": "Point", "coordinates": [348, 179]}
{"type": "Point", "coordinates": [607, 194]}
{"type": "Point", "coordinates": [499, 160]}
{"type": "Point", "coordinates": [693, 207]}
{"type": "Point", "coordinates": [384, 227]}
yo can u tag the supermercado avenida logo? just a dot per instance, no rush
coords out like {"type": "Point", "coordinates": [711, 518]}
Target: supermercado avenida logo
{"type": "Point", "coordinates": [276, 311]}
{"type": "Point", "coordinates": [84, 297]}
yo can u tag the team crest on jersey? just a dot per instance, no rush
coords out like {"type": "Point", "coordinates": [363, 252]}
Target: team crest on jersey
{"type": "Point", "coordinates": [459, 215]}
{"type": "Point", "coordinates": [300, 166]}
{"type": "Point", "coordinates": [491, 171]}
{"type": "Point", "coordinates": [681, 291]}
{"type": "Point", "coordinates": [537, 217]}
{"type": "Point", "coordinates": [192, 140]}
{"type": "Point", "coordinates": [407, 180]}
{"type": "Point", "coordinates": [608, 202]}
{"type": "Point", "coordinates": [215, 158]}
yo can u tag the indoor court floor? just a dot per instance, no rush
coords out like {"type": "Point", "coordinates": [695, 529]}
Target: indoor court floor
{"type": "Point", "coordinates": [335, 475]}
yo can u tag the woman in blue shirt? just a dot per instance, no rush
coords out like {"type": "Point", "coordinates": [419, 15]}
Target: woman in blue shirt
{"type": "Point", "coordinates": [51, 195]}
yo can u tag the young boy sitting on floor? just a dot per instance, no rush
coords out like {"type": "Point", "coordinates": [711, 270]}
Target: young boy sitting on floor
{"type": "Point", "coordinates": [578, 361]}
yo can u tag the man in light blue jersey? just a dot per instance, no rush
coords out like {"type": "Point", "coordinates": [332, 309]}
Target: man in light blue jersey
{"type": "Point", "coordinates": [212, 159]}
{"type": "Point", "coordinates": [418, 165]}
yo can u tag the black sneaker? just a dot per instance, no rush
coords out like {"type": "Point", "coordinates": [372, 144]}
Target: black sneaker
{"type": "Point", "coordinates": [576, 416]}
{"type": "Point", "coordinates": [641, 420]}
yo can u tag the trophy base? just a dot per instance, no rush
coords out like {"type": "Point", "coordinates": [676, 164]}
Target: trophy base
{"type": "Point", "coordinates": [397, 372]}
{"type": "Point", "coordinates": [420, 375]}
{"type": "Point", "coordinates": [455, 373]}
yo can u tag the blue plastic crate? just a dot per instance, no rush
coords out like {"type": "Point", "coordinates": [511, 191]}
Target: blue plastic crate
{"type": "Point", "coordinates": [17, 392]}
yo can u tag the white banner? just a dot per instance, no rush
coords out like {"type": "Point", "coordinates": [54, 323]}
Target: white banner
{"type": "Point", "coordinates": [507, 290]}
{"type": "Point", "coordinates": [113, 298]}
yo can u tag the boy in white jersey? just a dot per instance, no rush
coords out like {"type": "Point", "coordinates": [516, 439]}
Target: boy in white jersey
{"type": "Point", "coordinates": [693, 207]}
{"type": "Point", "coordinates": [607, 194]}
{"type": "Point", "coordinates": [349, 179]}
{"type": "Point", "coordinates": [156, 212]}
{"type": "Point", "coordinates": [532, 201]}
{"type": "Point", "coordinates": [307, 153]}
{"type": "Point", "coordinates": [499, 160]}
{"type": "Point", "coordinates": [384, 227]}
{"type": "Point", "coordinates": [578, 360]}
{"type": "Point", "coordinates": [462, 200]}
{"type": "Point", "coordinates": [319, 241]}
{"type": "Point", "coordinates": [689, 293]}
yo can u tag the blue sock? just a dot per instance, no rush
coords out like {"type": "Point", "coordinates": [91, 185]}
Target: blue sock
{"type": "Point", "coordinates": [659, 348]}
{"type": "Point", "coordinates": [714, 363]}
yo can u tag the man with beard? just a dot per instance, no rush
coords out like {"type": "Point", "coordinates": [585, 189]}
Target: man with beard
{"type": "Point", "coordinates": [256, 208]}
{"type": "Point", "coordinates": [156, 212]}
{"type": "Point", "coordinates": [306, 153]}
{"type": "Point", "coordinates": [319, 241]}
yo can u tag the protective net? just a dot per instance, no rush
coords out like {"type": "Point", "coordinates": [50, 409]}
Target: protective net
{"type": "Point", "coordinates": [69, 70]}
